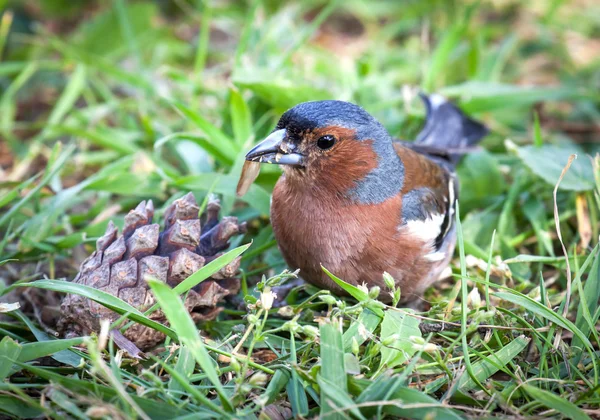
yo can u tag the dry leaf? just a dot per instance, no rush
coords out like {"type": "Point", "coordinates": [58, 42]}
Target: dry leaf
{"type": "Point", "coordinates": [250, 172]}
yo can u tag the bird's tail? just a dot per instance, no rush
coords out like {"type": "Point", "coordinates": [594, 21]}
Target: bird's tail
{"type": "Point", "coordinates": [447, 129]}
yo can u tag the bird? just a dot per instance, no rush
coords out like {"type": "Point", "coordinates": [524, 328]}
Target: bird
{"type": "Point", "coordinates": [358, 202]}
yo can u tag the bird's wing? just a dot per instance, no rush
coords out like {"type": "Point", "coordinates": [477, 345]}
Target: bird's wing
{"type": "Point", "coordinates": [428, 196]}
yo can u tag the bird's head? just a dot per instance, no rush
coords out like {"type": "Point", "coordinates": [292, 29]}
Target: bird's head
{"type": "Point", "coordinates": [335, 144]}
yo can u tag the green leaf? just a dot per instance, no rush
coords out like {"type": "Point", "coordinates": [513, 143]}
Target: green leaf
{"type": "Point", "coordinates": [278, 382]}
{"type": "Point", "coordinates": [102, 35]}
{"type": "Point", "coordinates": [295, 389]}
{"type": "Point", "coordinates": [210, 269]}
{"type": "Point", "coordinates": [441, 55]}
{"type": "Point", "coordinates": [401, 348]}
{"type": "Point", "coordinates": [485, 368]}
{"type": "Point", "coordinates": [156, 410]}
{"type": "Point", "coordinates": [104, 299]}
{"type": "Point", "coordinates": [481, 180]}
{"type": "Point", "coordinates": [591, 292]}
{"type": "Point", "coordinates": [355, 292]}
{"type": "Point", "coordinates": [32, 351]}
{"type": "Point", "coordinates": [51, 172]}
{"type": "Point", "coordinates": [190, 389]}
{"type": "Point", "coordinates": [62, 400]}
{"type": "Point", "coordinates": [333, 368]}
{"type": "Point", "coordinates": [187, 333]}
{"type": "Point", "coordinates": [67, 357]}
{"type": "Point", "coordinates": [15, 407]}
{"type": "Point", "coordinates": [558, 403]}
{"type": "Point", "coordinates": [241, 120]}
{"type": "Point", "coordinates": [283, 94]}
{"type": "Point", "coordinates": [543, 311]}
{"type": "Point", "coordinates": [340, 398]}
{"type": "Point", "coordinates": [214, 135]}
{"type": "Point", "coordinates": [367, 320]}
{"type": "Point", "coordinates": [9, 352]}
{"type": "Point", "coordinates": [547, 161]}
{"type": "Point", "coordinates": [538, 141]}
{"type": "Point", "coordinates": [184, 367]}
{"type": "Point", "coordinates": [483, 96]}
{"type": "Point", "coordinates": [67, 99]}
{"type": "Point", "coordinates": [391, 389]}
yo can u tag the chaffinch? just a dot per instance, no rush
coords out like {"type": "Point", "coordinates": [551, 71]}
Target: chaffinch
{"type": "Point", "coordinates": [360, 203]}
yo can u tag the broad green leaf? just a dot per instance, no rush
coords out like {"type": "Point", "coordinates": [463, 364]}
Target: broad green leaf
{"type": "Point", "coordinates": [556, 402]}
{"type": "Point", "coordinates": [179, 318]}
{"type": "Point", "coordinates": [481, 181]}
{"type": "Point", "coordinates": [367, 322]}
{"type": "Point", "coordinates": [333, 368]}
{"type": "Point", "coordinates": [14, 406]}
{"type": "Point", "coordinates": [485, 368]}
{"type": "Point", "coordinates": [400, 349]}
{"type": "Point", "coordinates": [9, 352]}
{"type": "Point", "coordinates": [547, 161]}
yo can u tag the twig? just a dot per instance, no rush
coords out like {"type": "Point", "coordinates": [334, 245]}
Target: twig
{"type": "Point", "coordinates": [558, 336]}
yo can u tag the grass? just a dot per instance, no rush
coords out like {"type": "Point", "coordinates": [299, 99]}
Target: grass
{"type": "Point", "coordinates": [103, 104]}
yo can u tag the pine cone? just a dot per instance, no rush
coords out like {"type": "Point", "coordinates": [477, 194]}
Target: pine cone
{"type": "Point", "coordinates": [121, 264]}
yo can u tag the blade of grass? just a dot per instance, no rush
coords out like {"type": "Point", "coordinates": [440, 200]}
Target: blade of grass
{"type": "Point", "coordinates": [294, 388]}
{"type": "Point", "coordinates": [58, 165]}
{"type": "Point", "coordinates": [104, 299]}
{"type": "Point", "coordinates": [183, 381]}
{"type": "Point", "coordinates": [9, 351]}
{"type": "Point", "coordinates": [333, 368]}
{"type": "Point", "coordinates": [187, 333]}
{"type": "Point", "coordinates": [463, 303]}
{"type": "Point", "coordinates": [560, 404]}
{"type": "Point", "coordinates": [32, 351]}
{"type": "Point", "coordinates": [485, 368]}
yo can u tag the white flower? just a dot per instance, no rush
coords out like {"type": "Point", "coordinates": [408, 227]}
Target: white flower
{"type": "Point", "coordinates": [474, 299]}
{"type": "Point", "coordinates": [267, 298]}
{"type": "Point", "coordinates": [363, 287]}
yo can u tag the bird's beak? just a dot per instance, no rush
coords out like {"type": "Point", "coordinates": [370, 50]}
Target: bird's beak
{"type": "Point", "coordinates": [275, 149]}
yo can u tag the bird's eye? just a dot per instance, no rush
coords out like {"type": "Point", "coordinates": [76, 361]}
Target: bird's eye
{"type": "Point", "coordinates": [326, 142]}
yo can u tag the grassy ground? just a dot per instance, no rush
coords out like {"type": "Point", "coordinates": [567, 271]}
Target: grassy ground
{"type": "Point", "coordinates": [103, 104]}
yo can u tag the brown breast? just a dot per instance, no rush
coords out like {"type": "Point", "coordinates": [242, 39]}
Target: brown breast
{"type": "Point", "coordinates": [356, 242]}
